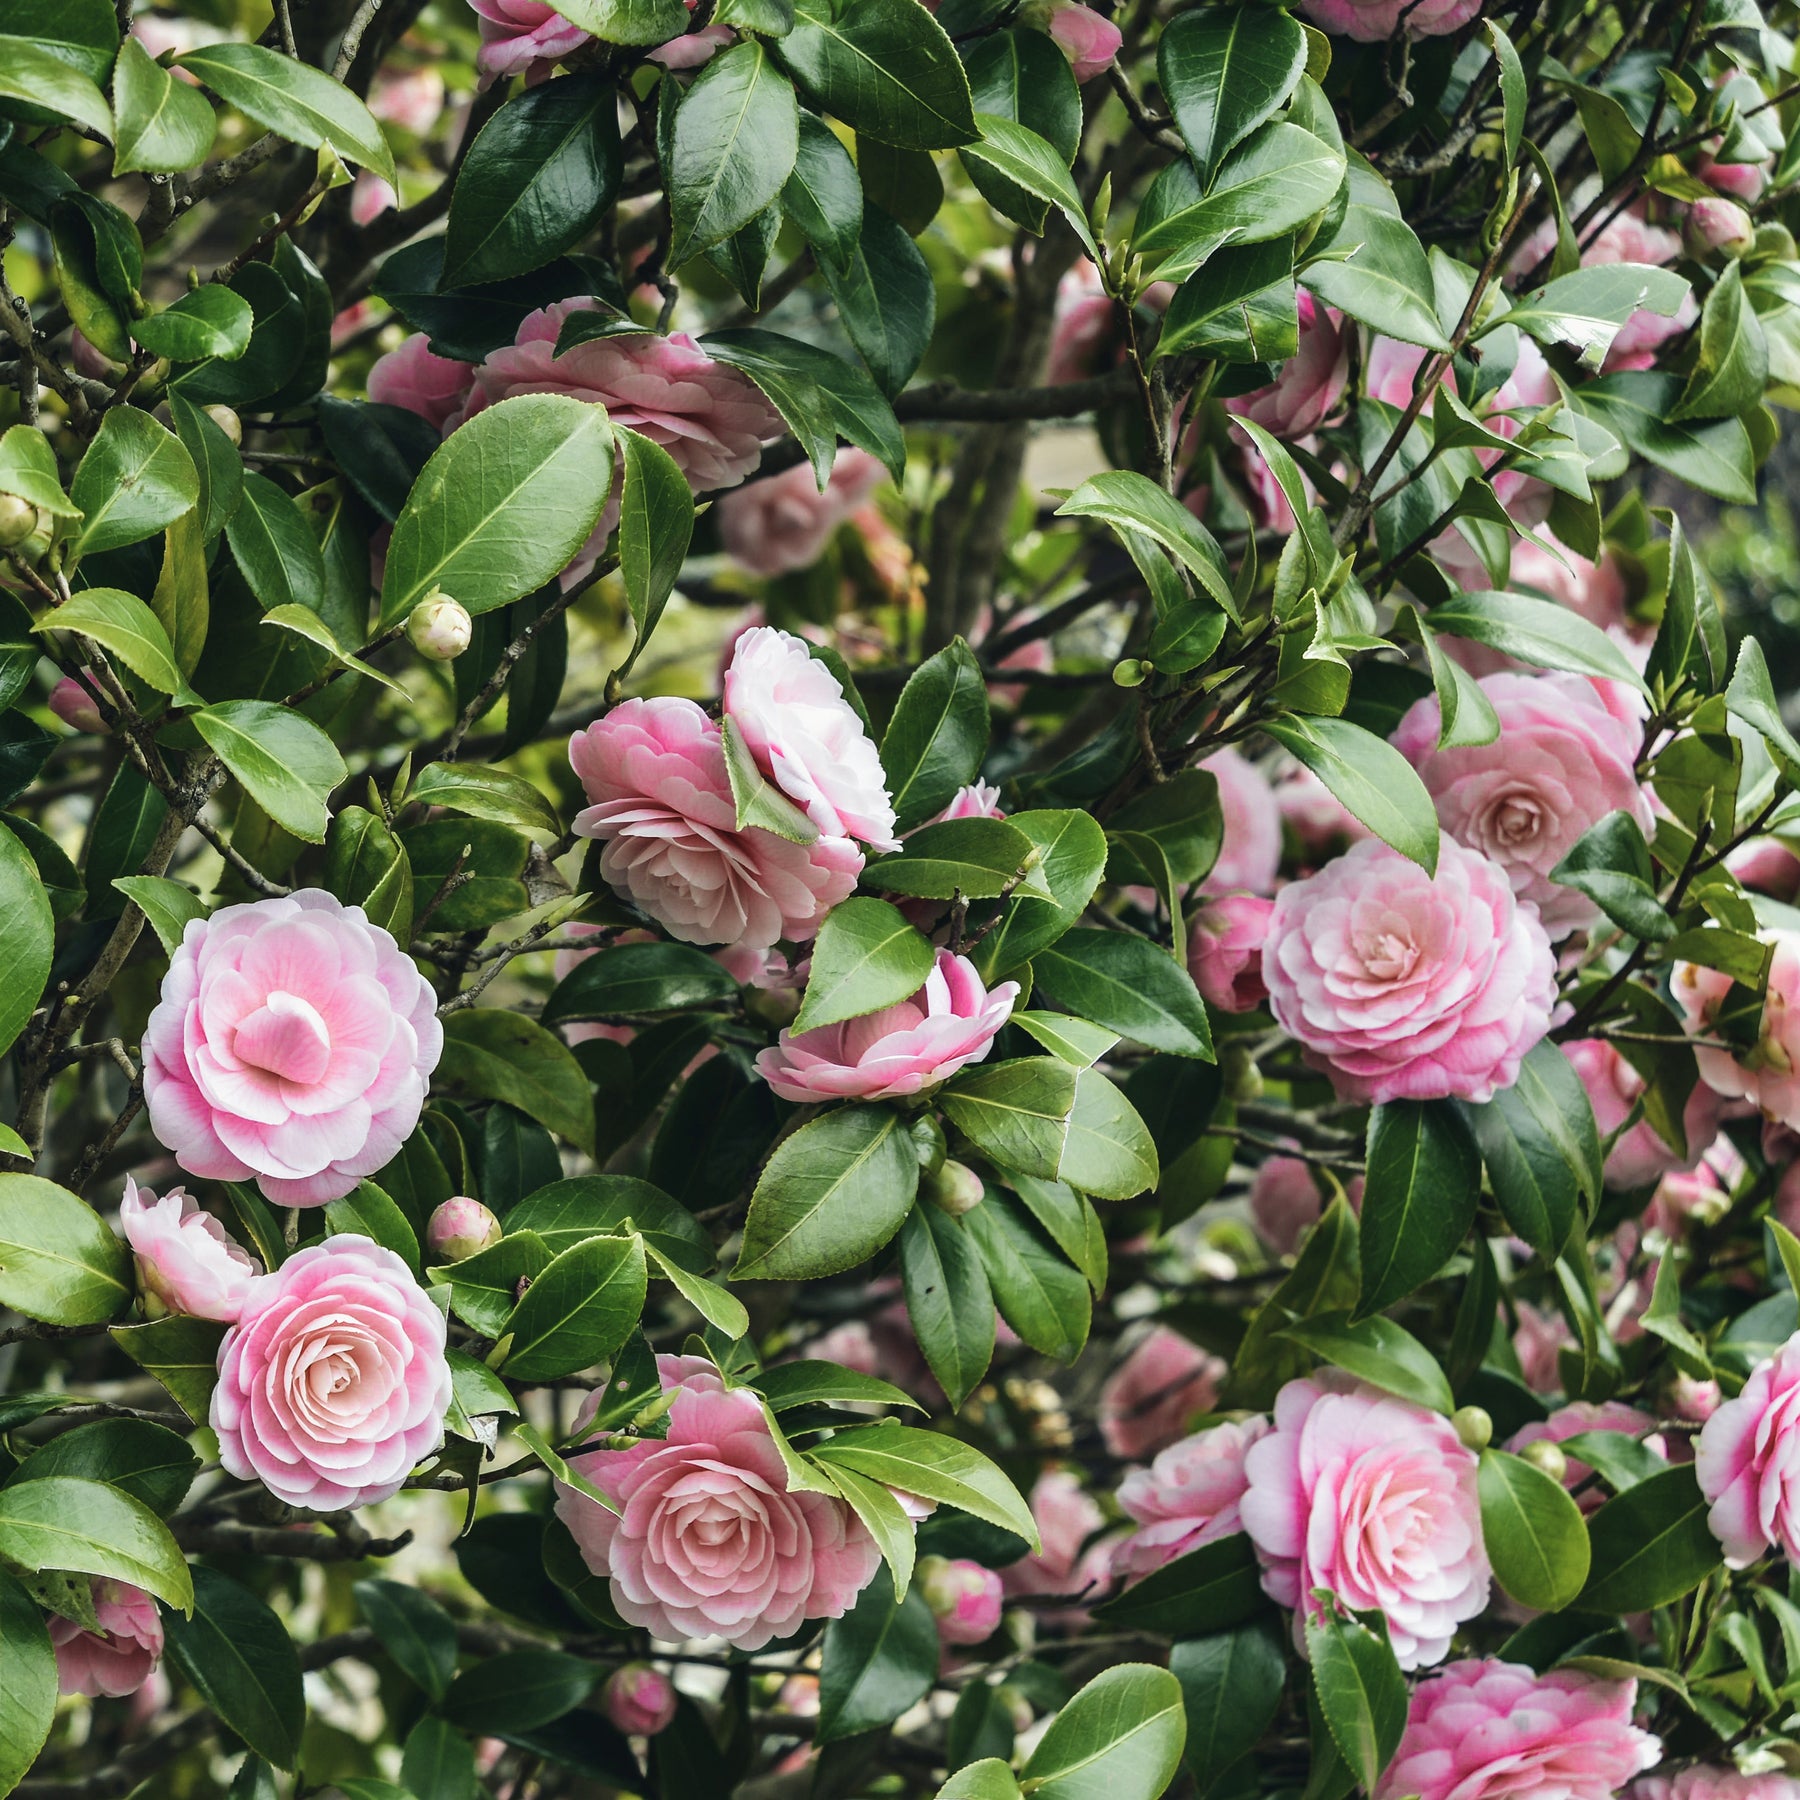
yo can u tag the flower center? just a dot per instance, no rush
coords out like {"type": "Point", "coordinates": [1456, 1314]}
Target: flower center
{"type": "Point", "coordinates": [286, 1037]}
{"type": "Point", "coordinates": [1387, 955]}
{"type": "Point", "coordinates": [1516, 820]}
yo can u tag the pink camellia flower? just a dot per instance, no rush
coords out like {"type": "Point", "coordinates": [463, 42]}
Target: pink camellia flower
{"type": "Point", "coordinates": [1319, 820]}
{"type": "Point", "coordinates": [76, 707]}
{"type": "Point", "coordinates": [1189, 1496]}
{"type": "Point", "coordinates": [976, 801]}
{"type": "Point", "coordinates": [1597, 591]}
{"type": "Point", "coordinates": [1538, 1342]}
{"type": "Point", "coordinates": [1286, 1201]}
{"type": "Point", "coordinates": [1614, 1086]}
{"type": "Point", "coordinates": [1405, 986]}
{"type": "Point", "coordinates": [1225, 951]}
{"type": "Point", "coordinates": [370, 197]}
{"type": "Point", "coordinates": [293, 1043]}
{"type": "Point", "coordinates": [1251, 851]}
{"type": "Point", "coordinates": [964, 1598]}
{"type": "Point", "coordinates": [1717, 224]}
{"type": "Point", "coordinates": [1587, 1415]}
{"type": "Point", "coordinates": [1311, 383]}
{"type": "Point", "coordinates": [1089, 41]}
{"type": "Point", "coordinates": [1086, 319]}
{"type": "Point", "coordinates": [660, 801]}
{"type": "Point", "coordinates": [333, 1384]}
{"type": "Point", "coordinates": [1149, 1399]}
{"type": "Point", "coordinates": [1747, 1465]}
{"type": "Point", "coordinates": [118, 1658]}
{"type": "Point", "coordinates": [708, 1540]}
{"type": "Point", "coordinates": [1742, 181]}
{"type": "Point", "coordinates": [1764, 864]}
{"type": "Point", "coordinates": [639, 1700]}
{"type": "Point", "coordinates": [774, 526]}
{"type": "Point", "coordinates": [1564, 759]}
{"type": "Point", "coordinates": [1707, 1781]}
{"type": "Point", "coordinates": [409, 98]}
{"type": "Point", "coordinates": [186, 1260]}
{"type": "Point", "coordinates": [807, 738]}
{"type": "Point", "coordinates": [1768, 1073]}
{"type": "Point", "coordinates": [1371, 1497]}
{"type": "Point", "coordinates": [1370, 21]}
{"type": "Point", "coordinates": [1070, 1563]}
{"type": "Point", "coordinates": [415, 377]}
{"type": "Point", "coordinates": [1482, 1729]}
{"type": "Point", "coordinates": [523, 35]}
{"type": "Point", "coordinates": [903, 1049]}
{"type": "Point", "coordinates": [693, 49]}
{"type": "Point", "coordinates": [460, 1227]}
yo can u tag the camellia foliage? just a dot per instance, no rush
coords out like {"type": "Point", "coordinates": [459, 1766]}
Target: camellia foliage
{"type": "Point", "coordinates": [884, 906]}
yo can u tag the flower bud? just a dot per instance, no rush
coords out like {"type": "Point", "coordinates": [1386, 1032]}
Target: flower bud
{"type": "Point", "coordinates": [964, 1598]}
{"type": "Point", "coordinates": [1548, 1456]}
{"type": "Point", "coordinates": [1473, 1427]}
{"type": "Point", "coordinates": [954, 1186]}
{"type": "Point", "coordinates": [18, 520]}
{"type": "Point", "coordinates": [460, 1227]}
{"type": "Point", "coordinates": [1225, 951]}
{"type": "Point", "coordinates": [1718, 224]}
{"type": "Point", "coordinates": [74, 705]}
{"type": "Point", "coordinates": [1089, 41]}
{"type": "Point", "coordinates": [227, 421]}
{"type": "Point", "coordinates": [440, 628]}
{"type": "Point", "coordinates": [639, 1700]}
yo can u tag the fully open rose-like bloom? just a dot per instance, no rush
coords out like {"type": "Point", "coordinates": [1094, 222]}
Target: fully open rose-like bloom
{"type": "Point", "coordinates": [807, 738]}
{"type": "Point", "coordinates": [1402, 986]}
{"type": "Point", "coordinates": [1311, 383]}
{"type": "Point", "coordinates": [1564, 759]}
{"type": "Point", "coordinates": [1369, 21]}
{"type": "Point", "coordinates": [949, 1022]}
{"type": "Point", "coordinates": [118, 1658]}
{"type": "Point", "coordinates": [1747, 1461]}
{"type": "Point", "coordinates": [1149, 1399]}
{"type": "Point", "coordinates": [1483, 1729]}
{"type": "Point", "coordinates": [417, 378]}
{"type": "Point", "coordinates": [1768, 1073]}
{"type": "Point", "coordinates": [1371, 1497]}
{"type": "Point", "coordinates": [186, 1260]}
{"type": "Point", "coordinates": [1640, 1157]}
{"type": "Point", "coordinates": [1587, 1415]}
{"type": "Point", "coordinates": [293, 1043]}
{"type": "Point", "coordinates": [1188, 1496]}
{"type": "Point", "coordinates": [708, 1541]}
{"type": "Point", "coordinates": [523, 35]}
{"type": "Point", "coordinates": [784, 522]}
{"type": "Point", "coordinates": [654, 772]}
{"type": "Point", "coordinates": [333, 1384]}
{"type": "Point", "coordinates": [1708, 1781]}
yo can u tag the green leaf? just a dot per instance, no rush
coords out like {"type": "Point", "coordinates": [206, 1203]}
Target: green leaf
{"type": "Point", "coordinates": [82, 33]}
{"type": "Point", "coordinates": [886, 68]}
{"type": "Point", "coordinates": [164, 125]}
{"type": "Point", "coordinates": [1750, 697]}
{"type": "Point", "coordinates": [502, 507]}
{"type": "Point", "coordinates": [1733, 365]}
{"type": "Point", "coordinates": [370, 1211]}
{"type": "Point", "coordinates": [885, 297]}
{"type": "Point", "coordinates": [1535, 631]}
{"type": "Point", "coordinates": [1361, 1692]}
{"type": "Point", "coordinates": [1225, 71]}
{"type": "Point", "coordinates": [27, 944]}
{"type": "Point", "coordinates": [1130, 986]}
{"type": "Point", "coordinates": [935, 1467]}
{"type": "Point", "coordinates": [303, 622]}
{"type": "Point", "coordinates": [494, 1055]}
{"type": "Point", "coordinates": [123, 624]}
{"type": "Point", "coordinates": [1378, 1351]}
{"type": "Point", "coordinates": [1651, 1544]}
{"type": "Point", "coordinates": [823, 196]}
{"type": "Point", "coordinates": [135, 480]}
{"type": "Point", "coordinates": [28, 468]}
{"type": "Point", "coordinates": [535, 181]}
{"type": "Point", "coordinates": [1637, 408]}
{"type": "Point", "coordinates": [221, 476]}
{"type": "Point", "coordinates": [1028, 161]}
{"type": "Point", "coordinates": [656, 524]}
{"type": "Point", "coordinates": [484, 1288]}
{"type": "Point", "coordinates": [1108, 1150]}
{"type": "Point", "coordinates": [293, 100]}
{"type": "Point", "coordinates": [365, 866]}
{"type": "Point", "coordinates": [1514, 95]}
{"type": "Point", "coordinates": [414, 1630]}
{"type": "Point", "coordinates": [1542, 1149]}
{"type": "Point", "coordinates": [721, 1310]}
{"type": "Point", "coordinates": [484, 793]}
{"type": "Point", "coordinates": [209, 321]}
{"type": "Point", "coordinates": [1534, 1533]}
{"type": "Point", "coordinates": [988, 1779]}
{"type": "Point", "coordinates": [1039, 1294]}
{"type": "Point", "coordinates": [1371, 778]}
{"type": "Point", "coordinates": [948, 1300]}
{"type": "Point", "coordinates": [1120, 1738]}
{"type": "Point", "coordinates": [284, 762]}
{"type": "Point", "coordinates": [866, 957]}
{"type": "Point", "coordinates": [831, 1195]}
{"type": "Point", "coordinates": [275, 549]}
{"type": "Point", "coordinates": [144, 1460]}
{"type": "Point", "coordinates": [1385, 280]}
{"type": "Point", "coordinates": [1610, 863]}
{"type": "Point", "coordinates": [937, 735]}
{"type": "Point", "coordinates": [58, 1262]}
{"type": "Point", "coordinates": [978, 859]}
{"type": "Point", "coordinates": [886, 1520]}
{"type": "Point", "coordinates": [737, 134]}
{"type": "Point", "coordinates": [1587, 308]}
{"type": "Point", "coordinates": [578, 1311]}
{"type": "Point", "coordinates": [166, 904]}
{"type": "Point", "coordinates": [28, 1684]}
{"type": "Point", "coordinates": [1016, 1113]}
{"type": "Point", "coordinates": [1018, 73]}
{"type": "Point", "coordinates": [37, 77]}
{"type": "Point", "coordinates": [94, 1529]}
{"type": "Point", "coordinates": [631, 979]}
{"type": "Point", "coordinates": [1231, 1687]}
{"type": "Point", "coordinates": [1213, 1588]}
{"type": "Point", "coordinates": [182, 1353]}
{"type": "Point", "coordinates": [1074, 859]}
{"type": "Point", "coordinates": [1423, 1182]}
{"type": "Point", "coordinates": [519, 1690]}
{"type": "Point", "coordinates": [439, 1760]}
{"type": "Point", "coordinates": [1130, 502]}
{"type": "Point", "coordinates": [1240, 306]}
{"type": "Point", "coordinates": [759, 803]}
{"type": "Point", "coordinates": [880, 1658]}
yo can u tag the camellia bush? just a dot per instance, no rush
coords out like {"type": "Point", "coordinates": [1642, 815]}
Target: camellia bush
{"type": "Point", "coordinates": [885, 909]}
